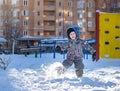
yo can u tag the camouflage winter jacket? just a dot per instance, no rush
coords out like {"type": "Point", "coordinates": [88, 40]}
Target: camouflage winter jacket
{"type": "Point", "coordinates": [75, 49]}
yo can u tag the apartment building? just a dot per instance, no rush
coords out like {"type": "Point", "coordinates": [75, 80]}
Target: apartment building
{"type": "Point", "coordinates": [112, 6]}
{"type": "Point", "coordinates": [39, 18]}
{"type": "Point", "coordinates": [86, 17]}
{"type": "Point", "coordinates": [1, 22]}
{"type": "Point", "coordinates": [3, 10]}
{"type": "Point", "coordinates": [51, 18]}
{"type": "Point", "coordinates": [8, 17]}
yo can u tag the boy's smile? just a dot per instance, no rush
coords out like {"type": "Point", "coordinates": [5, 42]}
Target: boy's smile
{"type": "Point", "coordinates": [73, 35]}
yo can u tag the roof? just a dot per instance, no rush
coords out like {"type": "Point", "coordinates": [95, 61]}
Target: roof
{"type": "Point", "coordinates": [28, 38]}
{"type": "Point", "coordinates": [91, 41]}
{"type": "Point", "coordinates": [2, 40]}
{"type": "Point", "coordinates": [54, 40]}
{"type": "Point", "coordinates": [42, 39]}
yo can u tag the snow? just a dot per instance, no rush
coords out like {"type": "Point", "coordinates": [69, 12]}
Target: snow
{"type": "Point", "coordinates": [39, 74]}
{"type": "Point", "coordinates": [55, 39]}
{"type": "Point", "coordinates": [2, 40]}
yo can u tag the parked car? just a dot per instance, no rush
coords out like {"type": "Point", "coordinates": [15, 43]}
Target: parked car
{"type": "Point", "coordinates": [6, 51]}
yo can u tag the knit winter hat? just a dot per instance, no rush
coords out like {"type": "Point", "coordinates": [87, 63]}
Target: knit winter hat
{"type": "Point", "coordinates": [69, 31]}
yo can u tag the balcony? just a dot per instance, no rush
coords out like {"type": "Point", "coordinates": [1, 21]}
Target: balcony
{"type": "Point", "coordinates": [49, 7]}
{"type": "Point", "coordinates": [49, 28]}
{"type": "Point", "coordinates": [49, 17]}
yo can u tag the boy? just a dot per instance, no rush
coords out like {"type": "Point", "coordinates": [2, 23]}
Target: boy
{"type": "Point", "coordinates": [74, 52]}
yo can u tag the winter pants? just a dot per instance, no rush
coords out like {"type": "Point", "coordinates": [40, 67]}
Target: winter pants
{"type": "Point", "coordinates": [79, 66]}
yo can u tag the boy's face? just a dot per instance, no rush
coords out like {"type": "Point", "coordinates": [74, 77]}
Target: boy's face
{"type": "Point", "coordinates": [73, 35]}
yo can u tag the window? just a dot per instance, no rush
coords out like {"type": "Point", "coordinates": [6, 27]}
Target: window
{"type": "Point", "coordinates": [38, 23]}
{"type": "Point", "coordinates": [25, 12]}
{"type": "Point", "coordinates": [80, 4]}
{"type": "Point", "coordinates": [6, 1]}
{"type": "Point", "coordinates": [25, 32]}
{"type": "Point", "coordinates": [1, 2]}
{"type": "Point", "coordinates": [91, 14]}
{"type": "Point", "coordinates": [60, 24]}
{"type": "Point", "coordinates": [60, 14]}
{"type": "Point", "coordinates": [38, 33]}
{"type": "Point", "coordinates": [70, 13]}
{"type": "Point", "coordinates": [80, 23]}
{"type": "Point", "coordinates": [118, 4]}
{"type": "Point", "coordinates": [60, 33]}
{"type": "Point", "coordinates": [69, 3]}
{"type": "Point", "coordinates": [91, 24]}
{"type": "Point", "coordinates": [14, 2]}
{"type": "Point", "coordinates": [70, 23]}
{"type": "Point", "coordinates": [38, 13]}
{"type": "Point", "coordinates": [60, 4]}
{"type": "Point", "coordinates": [38, 3]}
{"type": "Point", "coordinates": [1, 12]}
{"type": "Point", "coordinates": [25, 2]}
{"type": "Point", "coordinates": [47, 33]}
{"type": "Point", "coordinates": [15, 13]}
{"type": "Point", "coordinates": [25, 22]}
{"type": "Point", "coordinates": [91, 4]}
{"type": "Point", "coordinates": [4, 33]}
{"type": "Point", "coordinates": [1, 22]}
{"type": "Point", "coordinates": [80, 14]}
{"type": "Point", "coordinates": [113, 5]}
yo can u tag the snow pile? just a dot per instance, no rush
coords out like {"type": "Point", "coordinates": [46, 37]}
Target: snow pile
{"type": "Point", "coordinates": [39, 74]}
{"type": "Point", "coordinates": [43, 79]}
{"type": "Point", "coordinates": [51, 71]}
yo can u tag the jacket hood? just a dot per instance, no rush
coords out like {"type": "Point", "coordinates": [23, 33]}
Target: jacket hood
{"type": "Point", "coordinates": [71, 29]}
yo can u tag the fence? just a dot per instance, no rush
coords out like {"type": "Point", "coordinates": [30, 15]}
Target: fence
{"type": "Point", "coordinates": [53, 43]}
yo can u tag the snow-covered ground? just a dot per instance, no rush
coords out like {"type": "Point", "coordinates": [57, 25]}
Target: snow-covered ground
{"type": "Point", "coordinates": [39, 74]}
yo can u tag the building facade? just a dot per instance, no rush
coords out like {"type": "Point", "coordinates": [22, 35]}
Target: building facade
{"type": "Point", "coordinates": [112, 6]}
{"type": "Point", "coordinates": [51, 18]}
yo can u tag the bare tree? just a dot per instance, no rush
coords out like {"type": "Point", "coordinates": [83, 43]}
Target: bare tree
{"type": "Point", "coordinates": [11, 24]}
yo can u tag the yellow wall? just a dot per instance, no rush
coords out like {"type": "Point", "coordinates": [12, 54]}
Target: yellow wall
{"type": "Point", "coordinates": [108, 33]}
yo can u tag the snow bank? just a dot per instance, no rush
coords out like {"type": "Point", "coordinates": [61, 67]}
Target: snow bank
{"type": "Point", "coordinates": [38, 74]}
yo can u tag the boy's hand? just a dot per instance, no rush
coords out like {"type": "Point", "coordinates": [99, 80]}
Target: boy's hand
{"type": "Point", "coordinates": [94, 56]}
